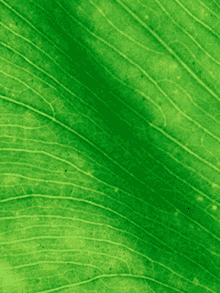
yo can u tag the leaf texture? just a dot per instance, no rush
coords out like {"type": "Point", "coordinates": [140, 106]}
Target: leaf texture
{"type": "Point", "coordinates": [109, 146]}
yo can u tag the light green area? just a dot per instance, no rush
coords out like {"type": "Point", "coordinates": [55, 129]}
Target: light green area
{"type": "Point", "coordinates": [109, 146]}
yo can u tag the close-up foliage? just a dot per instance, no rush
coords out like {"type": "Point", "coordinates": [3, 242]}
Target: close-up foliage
{"type": "Point", "coordinates": [109, 146]}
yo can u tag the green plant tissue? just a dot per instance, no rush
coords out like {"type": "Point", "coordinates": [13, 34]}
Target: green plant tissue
{"type": "Point", "coordinates": [109, 146]}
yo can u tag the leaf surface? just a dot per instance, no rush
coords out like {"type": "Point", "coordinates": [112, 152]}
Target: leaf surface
{"type": "Point", "coordinates": [109, 146]}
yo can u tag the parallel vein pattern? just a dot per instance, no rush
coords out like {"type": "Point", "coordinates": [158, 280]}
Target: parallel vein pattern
{"type": "Point", "coordinates": [109, 146]}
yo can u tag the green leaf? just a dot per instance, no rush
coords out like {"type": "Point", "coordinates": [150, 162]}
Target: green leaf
{"type": "Point", "coordinates": [110, 146]}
